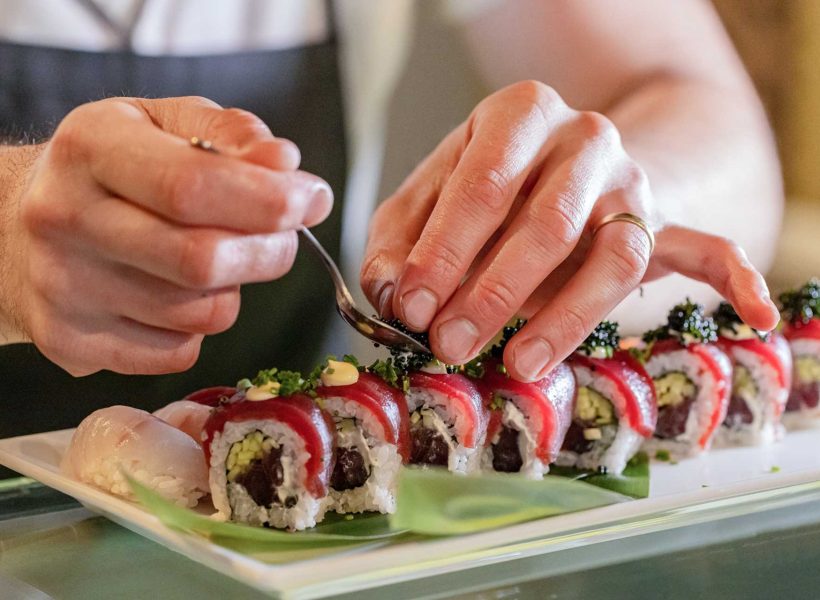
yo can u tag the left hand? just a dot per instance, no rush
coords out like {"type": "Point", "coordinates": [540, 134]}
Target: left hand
{"type": "Point", "coordinates": [497, 221]}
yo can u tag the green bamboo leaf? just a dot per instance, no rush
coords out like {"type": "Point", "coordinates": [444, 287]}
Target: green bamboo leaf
{"type": "Point", "coordinates": [434, 502]}
{"type": "Point", "coordinates": [336, 530]}
{"type": "Point", "coordinates": [634, 481]}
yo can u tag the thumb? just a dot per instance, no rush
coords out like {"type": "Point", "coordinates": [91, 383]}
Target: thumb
{"type": "Point", "coordinates": [232, 131]}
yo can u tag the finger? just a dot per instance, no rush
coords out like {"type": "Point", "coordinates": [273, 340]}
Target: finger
{"type": "Point", "coordinates": [541, 236]}
{"type": "Point", "coordinates": [164, 174]}
{"type": "Point", "coordinates": [85, 346]}
{"type": "Point", "coordinates": [231, 130]}
{"type": "Point", "coordinates": [722, 264]}
{"type": "Point", "coordinates": [615, 264]}
{"type": "Point", "coordinates": [503, 147]}
{"type": "Point", "coordinates": [197, 258]}
{"type": "Point", "coordinates": [398, 222]}
{"type": "Point", "coordinates": [123, 291]}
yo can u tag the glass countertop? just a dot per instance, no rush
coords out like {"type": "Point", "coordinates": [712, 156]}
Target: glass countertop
{"type": "Point", "coordinates": [52, 547]}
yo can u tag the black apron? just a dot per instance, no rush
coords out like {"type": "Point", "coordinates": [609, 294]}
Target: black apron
{"type": "Point", "coordinates": [281, 323]}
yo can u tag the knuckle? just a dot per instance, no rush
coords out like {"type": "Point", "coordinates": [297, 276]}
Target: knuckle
{"type": "Point", "coordinates": [595, 126]}
{"type": "Point", "coordinates": [69, 143]}
{"type": "Point", "coordinates": [40, 216]}
{"type": "Point", "coordinates": [630, 259]}
{"type": "Point", "coordinates": [634, 177]}
{"type": "Point", "coordinates": [495, 298]}
{"type": "Point", "coordinates": [241, 125]}
{"type": "Point", "coordinates": [200, 101]}
{"type": "Point", "coordinates": [574, 325]}
{"type": "Point", "coordinates": [195, 259]}
{"type": "Point", "coordinates": [487, 188]}
{"type": "Point", "coordinates": [215, 314]}
{"type": "Point", "coordinates": [557, 224]}
{"type": "Point", "coordinates": [533, 91]}
{"type": "Point", "coordinates": [442, 262]}
{"type": "Point", "coordinates": [179, 186]}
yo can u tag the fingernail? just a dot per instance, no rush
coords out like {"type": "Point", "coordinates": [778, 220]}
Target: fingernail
{"type": "Point", "coordinates": [321, 203]}
{"type": "Point", "coordinates": [419, 308]}
{"type": "Point", "coordinates": [385, 300]}
{"type": "Point", "coordinates": [457, 338]}
{"type": "Point", "coordinates": [531, 357]}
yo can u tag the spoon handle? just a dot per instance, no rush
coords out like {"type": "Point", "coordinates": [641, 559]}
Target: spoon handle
{"type": "Point", "coordinates": [342, 293]}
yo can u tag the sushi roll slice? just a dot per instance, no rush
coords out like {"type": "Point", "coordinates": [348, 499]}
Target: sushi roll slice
{"type": "Point", "coordinates": [801, 317]}
{"type": "Point", "coordinates": [528, 421]}
{"type": "Point", "coordinates": [120, 439]}
{"type": "Point", "coordinates": [372, 437]}
{"type": "Point", "coordinates": [270, 459]}
{"type": "Point", "coordinates": [448, 420]}
{"type": "Point", "coordinates": [762, 372]}
{"type": "Point", "coordinates": [191, 413]}
{"type": "Point", "coordinates": [616, 409]}
{"type": "Point", "coordinates": [693, 382]}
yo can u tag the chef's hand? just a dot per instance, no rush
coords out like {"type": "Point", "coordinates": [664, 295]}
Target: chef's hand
{"type": "Point", "coordinates": [498, 221]}
{"type": "Point", "coordinates": [124, 245]}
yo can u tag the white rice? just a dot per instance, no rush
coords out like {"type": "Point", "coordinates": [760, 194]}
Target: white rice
{"type": "Point", "coordinates": [381, 459]}
{"type": "Point", "coordinates": [513, 417]}
{"type": "Point", "coordinates": [108, 475]}
{"type": "Point", "coordinates": [461, 459]}
{"type": "Point", "coordinates": [234, 503]}
{"type": "Point", "coordinates": [617, 444]}
{"type": "Point", "coordinates": [805, 417]}
{"type": "Point", "coordinates": [765, 407]}
{"type": "Point", "coordinates": [700, 415]}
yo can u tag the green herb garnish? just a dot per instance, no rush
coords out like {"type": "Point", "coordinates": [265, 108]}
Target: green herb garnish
{"type": "Point", "coordinates": [500, 368]}
{"type": "Point", "coordinates": [774, 469]}
{"type": "Point", "coordinates": [497, 402]}
{"type": "Point", "coordinates": [290, 382]}
{"type": "Point", "coordinates": [386, 369]}
{"type": "Point", "coordinates": [802, 304]}
{"type": "Point", "coordinates": [663, 455]}
{"type": "Point", "coordinates": [604, 337]}
{"type": "Point", "coordinates": [686, 323]}
{"type": "Point", "coordinates": [475, 368]}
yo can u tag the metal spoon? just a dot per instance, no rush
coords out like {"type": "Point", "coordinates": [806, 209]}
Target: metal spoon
{"type": "Point", "coordinates": [374, 329]}
{"type": "Point", "coordinates": [370, 327]}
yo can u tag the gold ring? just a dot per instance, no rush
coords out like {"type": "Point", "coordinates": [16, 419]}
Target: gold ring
{"type": "Point", "coordinates": [202, 144]}
{"type": "Point", "coordinates": [627, 218]}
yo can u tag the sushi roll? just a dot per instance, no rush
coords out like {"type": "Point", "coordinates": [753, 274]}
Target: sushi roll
{"type": "Point", "coordinates": [191, 413]}
{"type": "Point", "coordinates": [693, 381]}
{"type": "Point", "coordinates": [528, 421]}
{"type": "Point", "coordinates": [270, 453]}
{"type": "Point", "coordinates": [762, 372]}
{"type": "Point", "coordinates": [801, 327]}
{"type": "Point", "coordinates": [120, 439]}
{"type": "Point", "coordinates": [448, 420]}
{"type": "Point", "coordinates": [372, 436]}
{"type": "Point", "coordinates": [616, 409]}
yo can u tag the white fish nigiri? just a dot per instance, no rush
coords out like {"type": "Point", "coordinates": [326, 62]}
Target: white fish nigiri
{"type": "Point", "coordinates": [156, 454]}
{"type": "Point", "coordinates": [186, 416]}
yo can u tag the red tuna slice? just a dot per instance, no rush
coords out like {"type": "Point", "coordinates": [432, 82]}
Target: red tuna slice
{"type": "Point", "coordinates": [466, 401]}
{"type": "Point", "coordinates": [211, 396]}
{"type": "Point", "coordinates": [548, 403]}
{"type": "Point", "coordinates": [800, 330]}
{"type": "Point", "coordinates": [719, 366]}
{"type": "Point", "coordinates": [775, 352]}
{"type": "Point", "coordinates": [636, 400]}
{"type": "Point", "coordinates": [300, 413]}
{"type": "Point", "coordinates": [383, 401]}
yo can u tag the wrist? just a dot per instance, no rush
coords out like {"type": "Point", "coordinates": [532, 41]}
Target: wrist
{"type": "Point", "coordinates": [16, 166]}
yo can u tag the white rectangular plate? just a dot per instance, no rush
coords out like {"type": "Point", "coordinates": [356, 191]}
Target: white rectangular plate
{"type": "Point", "coordinates": [723, 482]}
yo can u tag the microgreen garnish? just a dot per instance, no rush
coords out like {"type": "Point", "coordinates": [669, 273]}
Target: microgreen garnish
{"type": "Point", "coordinates": [290, 382]}
{"type": "Point", "coordinates": [474, 368]}
{"type": "Point", "coordinates": [497, 402]}
{"type": "Point", "coordinates": [801, 304]}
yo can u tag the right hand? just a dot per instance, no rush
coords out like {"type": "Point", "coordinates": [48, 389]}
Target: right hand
{"type": "Point", "coordinates": [124, 245]}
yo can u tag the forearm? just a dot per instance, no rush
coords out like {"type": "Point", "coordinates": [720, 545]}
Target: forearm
{"type": "Point", "coordinates": [16, 162]}
{"type": "Point", "coordinates": [710, 158]}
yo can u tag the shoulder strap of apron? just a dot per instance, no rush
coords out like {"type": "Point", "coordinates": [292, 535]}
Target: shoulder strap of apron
{"type": "Point", "coordinates": [125, 31]}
